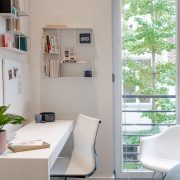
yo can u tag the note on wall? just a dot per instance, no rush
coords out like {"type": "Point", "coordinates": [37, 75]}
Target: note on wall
{"type": "Point", "coordinates": [1, 83]}
{"type": "Point", "coordinates": [13, 81]}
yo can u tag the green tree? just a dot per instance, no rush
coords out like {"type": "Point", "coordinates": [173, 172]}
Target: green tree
{"type": "Point", "coordinates": [149, 28]}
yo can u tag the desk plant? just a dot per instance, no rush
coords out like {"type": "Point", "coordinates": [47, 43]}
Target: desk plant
{"type": "Point", "coordinates": [6, 118]}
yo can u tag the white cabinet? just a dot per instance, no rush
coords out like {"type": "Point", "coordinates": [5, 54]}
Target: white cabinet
{"type": "Point", "coordinates": [68, 52]}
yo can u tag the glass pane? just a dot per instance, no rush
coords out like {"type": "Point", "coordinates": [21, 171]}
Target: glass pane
{"type": "Point", "coordinates": [149, 72]}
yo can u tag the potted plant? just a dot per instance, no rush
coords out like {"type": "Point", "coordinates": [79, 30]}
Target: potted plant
{"type": "Point", "coordinates": [6, 118]}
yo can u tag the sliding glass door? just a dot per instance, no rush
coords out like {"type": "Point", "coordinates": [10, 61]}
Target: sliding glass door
{"type": "Point", "coordinates": [148, 71]}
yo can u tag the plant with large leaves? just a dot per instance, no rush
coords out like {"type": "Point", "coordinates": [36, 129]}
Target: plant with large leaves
{"type": "Point", "coordinates": [6, 118]}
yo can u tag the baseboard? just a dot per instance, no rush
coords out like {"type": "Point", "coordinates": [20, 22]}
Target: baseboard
{"type": "Point", "coordinates": [118, 179]}
{"type": "Point", "coordinates": [108, 178]}
{"type": "Point", "coordinates": [135, 179]}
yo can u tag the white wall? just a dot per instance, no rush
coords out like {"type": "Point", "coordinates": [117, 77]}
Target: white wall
{"type": "Point", "coordinates": [69, 97]}
{"type": "Point", "coordinates": [21, 107]}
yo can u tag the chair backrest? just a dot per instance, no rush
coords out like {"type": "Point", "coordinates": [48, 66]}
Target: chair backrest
{"type": "Point", "coordinates": [85, 133]}
{"type": "Point", "coordinates": [168, 143]}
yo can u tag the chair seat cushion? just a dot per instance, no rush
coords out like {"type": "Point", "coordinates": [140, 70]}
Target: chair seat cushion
{"type": "Point", "coordinates": [159, 164]}
{"type": "Point", "coordinates": [69, 167]}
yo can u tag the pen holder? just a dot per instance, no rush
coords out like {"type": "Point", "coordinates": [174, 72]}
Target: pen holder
{"type": "Point", "coordinates": [38, 118]}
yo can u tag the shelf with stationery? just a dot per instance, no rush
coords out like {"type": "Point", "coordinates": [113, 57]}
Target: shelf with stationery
{"type": "Point", "coordinates": [71, 49]}
{"type": "Point", "coordinates": [13, 38]}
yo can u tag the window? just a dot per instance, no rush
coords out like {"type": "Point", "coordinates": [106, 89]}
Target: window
{"type": "Point", "coordinates": [148, 30]}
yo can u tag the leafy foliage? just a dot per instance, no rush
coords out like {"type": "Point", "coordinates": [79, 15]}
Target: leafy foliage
{"type": "Point", "coordinates": [6, 118]}
{"type": "Point", "coordinates": [136, 140]}
{"type": "Point", "coordinates": [149, 28]}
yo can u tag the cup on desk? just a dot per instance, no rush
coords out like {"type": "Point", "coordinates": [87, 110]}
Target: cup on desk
{"type": "Point", "coordinates": [38, 118]}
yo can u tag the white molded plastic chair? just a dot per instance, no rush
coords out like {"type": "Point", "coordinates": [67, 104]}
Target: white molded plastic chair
{"type": "Point", "coordinates": [160, 153]}
{"type": "Point", "coordinates": [82, 163]}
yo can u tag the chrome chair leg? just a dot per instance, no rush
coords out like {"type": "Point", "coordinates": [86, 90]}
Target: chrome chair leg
{"type": "Point", "coordinates": [164, 176]}
{"type": "Point", "coordinates": [153, 175]}
{"type": "Point", "coordinates": [158, 176]}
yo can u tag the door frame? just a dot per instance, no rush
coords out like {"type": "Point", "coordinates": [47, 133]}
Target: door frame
{"type": "Point", "coordinates": [117, 89]}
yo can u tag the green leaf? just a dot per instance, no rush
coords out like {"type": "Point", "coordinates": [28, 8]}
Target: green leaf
{"type": "Point", "coordinates": [8, 118]}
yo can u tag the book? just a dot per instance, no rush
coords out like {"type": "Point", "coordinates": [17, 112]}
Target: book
{"type": "Point", "coordinates": [51, 44]}
{"type": "Point", "coordinates": [28, 145]}
{"type": "Point", "coordinates": [46, 67]}
{"type": "Point", "coordinates": [48, 44]}
{"type": "Point", "coordinates": [21, 43]}
{"type": "Point", "coordinates": [8, 42]}
{"type": "Point", "coordinates": [54, 68]}
{"type": "Point", "coordinates": [2, 40]}
{"type": "Point", "coordinates": [12, 25]}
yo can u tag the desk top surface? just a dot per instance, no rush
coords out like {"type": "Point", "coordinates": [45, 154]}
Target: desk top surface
{"type": "Point", "coordinates": [53, 133]}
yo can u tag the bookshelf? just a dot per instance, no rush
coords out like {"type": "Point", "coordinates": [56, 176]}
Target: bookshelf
{"type": "Point", "coordinates": [13, 38]}
{"type": "Point", "coordinates": [69, 52]}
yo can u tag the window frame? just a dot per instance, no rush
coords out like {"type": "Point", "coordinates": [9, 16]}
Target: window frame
{"type": "Point", "coordinates": [117, 97]}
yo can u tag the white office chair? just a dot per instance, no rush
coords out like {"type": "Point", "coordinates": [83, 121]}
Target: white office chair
{"type": "Point", "coordinates": [160, 153]}
{"type": "Point", "coordinates": [82, 163]}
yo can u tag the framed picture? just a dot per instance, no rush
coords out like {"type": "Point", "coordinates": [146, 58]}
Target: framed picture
{"type": "Point", "coordinates": [14, 81]}
{"type": "Point", "coordinates": [69, 54]}
{"type": "Point", "coordinates": [85, 38]}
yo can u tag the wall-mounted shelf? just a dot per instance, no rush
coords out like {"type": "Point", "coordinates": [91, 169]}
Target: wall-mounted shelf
{"type": "Point", "coordinates": [75, 55]}
{"type": "Point", "coordinates": [13, 38]}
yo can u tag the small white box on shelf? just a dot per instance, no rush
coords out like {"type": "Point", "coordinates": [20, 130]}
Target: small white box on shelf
{"type": "Point", "coordinates": [69, 54]}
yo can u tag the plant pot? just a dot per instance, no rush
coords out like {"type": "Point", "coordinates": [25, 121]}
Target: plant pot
{"type": "Point", "coordinates": [2, 141]}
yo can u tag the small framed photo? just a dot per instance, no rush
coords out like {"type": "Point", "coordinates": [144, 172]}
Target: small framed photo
{"type": "Point", "coordinates": [85, 38]}
{"type": "Point", "coordinates": [69, 54]}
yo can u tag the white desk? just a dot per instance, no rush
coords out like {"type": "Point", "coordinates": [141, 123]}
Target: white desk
{"type": "Point", "coordinates": [36, 164]}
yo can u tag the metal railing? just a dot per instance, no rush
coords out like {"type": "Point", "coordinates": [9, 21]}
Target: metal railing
{"type": "Point", "coordinates": [131, 151]}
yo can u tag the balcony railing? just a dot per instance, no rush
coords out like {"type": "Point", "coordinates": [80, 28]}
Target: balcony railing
{"type": "Point", "coordinates": [131, 151]}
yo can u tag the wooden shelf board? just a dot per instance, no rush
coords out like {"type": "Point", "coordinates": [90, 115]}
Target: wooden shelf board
{"type": "Point", "coordinates": [68, 77]}
{"type": "Point", "coordinates": [65, 28]}
{"type": "Point", "coordinates": [55, 53]}
{"type": "Point", "coordinates": [78, 62]}
{"type": "Point", "coordinates": [75, 77]}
